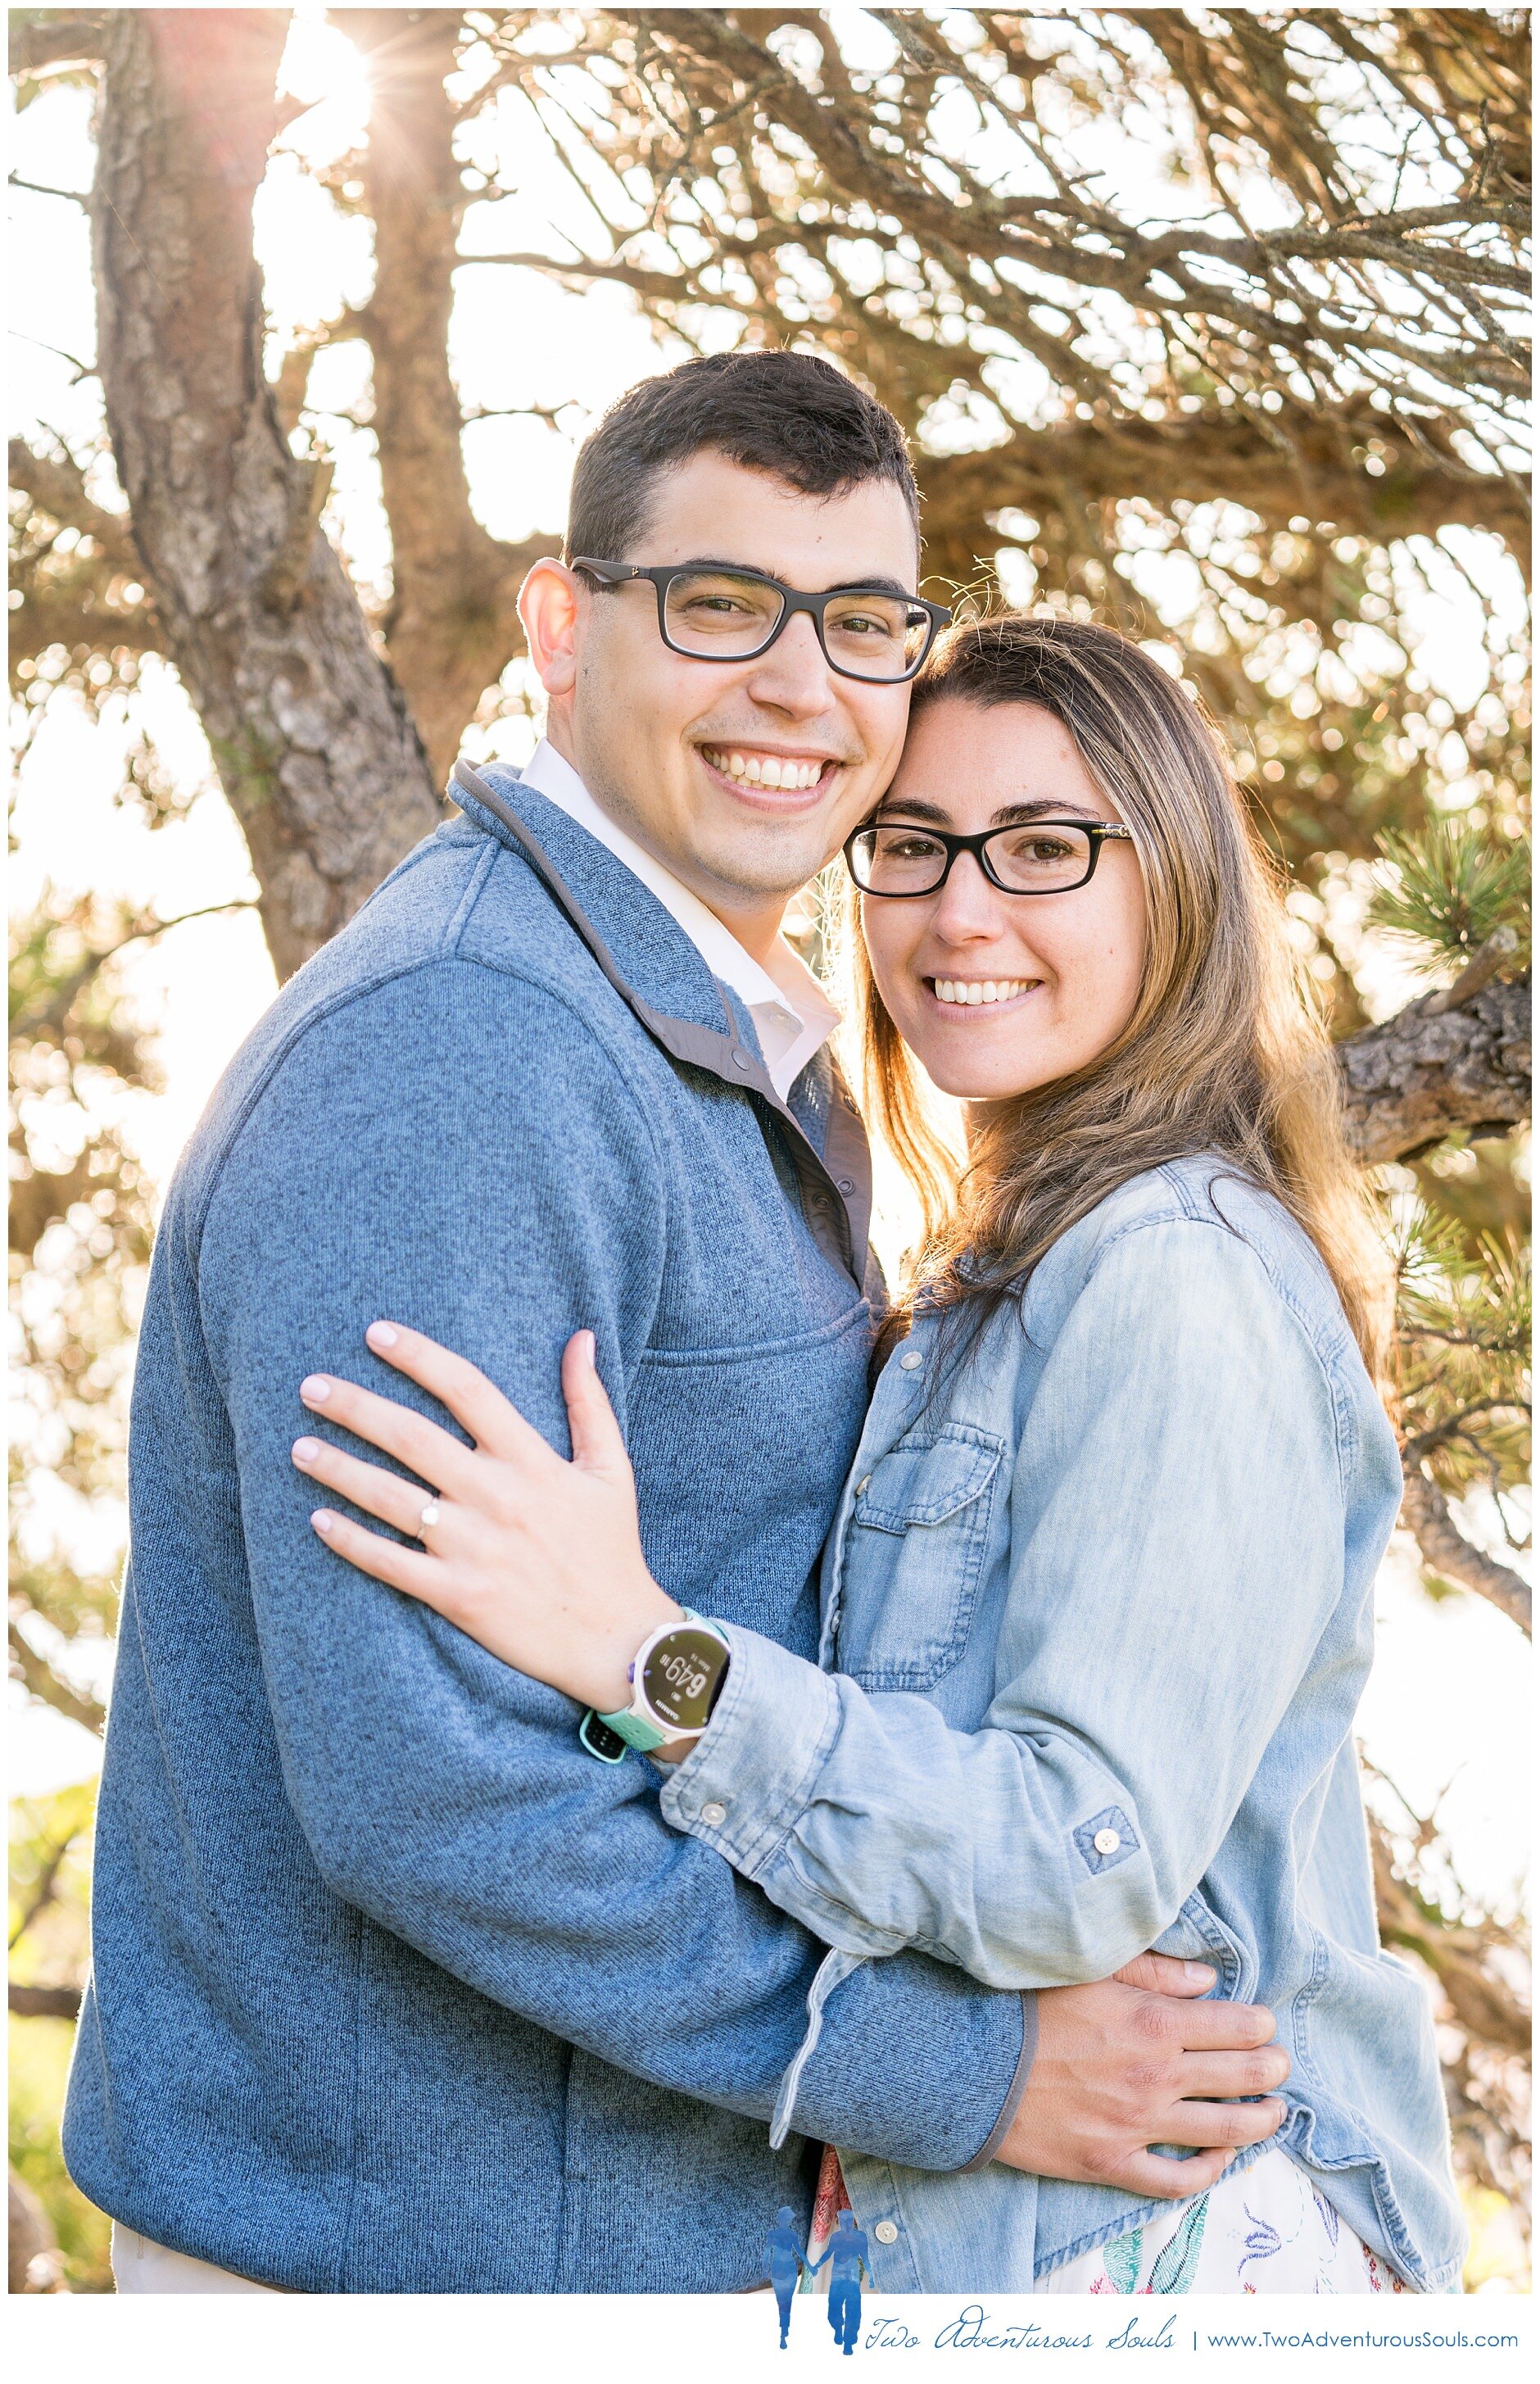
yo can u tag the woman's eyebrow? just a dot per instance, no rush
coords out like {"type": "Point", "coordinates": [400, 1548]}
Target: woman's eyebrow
{"type": "Point", "coordinates": [1043, 807]}
{"type": "Point", "coordinates": [1009, 815]}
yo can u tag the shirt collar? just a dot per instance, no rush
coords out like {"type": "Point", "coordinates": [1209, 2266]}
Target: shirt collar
{"type": "Point", "coordinates": [793, 1016]}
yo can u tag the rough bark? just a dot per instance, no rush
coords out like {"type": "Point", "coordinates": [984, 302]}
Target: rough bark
{"type": "Point", "coordinates": [313, 745]}
{"type": "Point", "coordinates": [1446, 1551]}
{"type": "Point", "coordinates": [1431, 1072]}
{"type": "Point", "coordinates": [452, 628]}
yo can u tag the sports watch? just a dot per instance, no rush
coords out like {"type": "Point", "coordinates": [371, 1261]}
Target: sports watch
{"type": "Point", "coordinates": [677, 1676]}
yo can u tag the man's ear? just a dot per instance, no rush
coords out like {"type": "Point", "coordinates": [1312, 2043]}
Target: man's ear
{"type": "Point", "coordinates": [549, 606]}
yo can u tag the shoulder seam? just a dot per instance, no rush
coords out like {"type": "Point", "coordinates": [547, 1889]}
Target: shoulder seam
{"type": "Point", "coordinates": [1344, 1430]}
{"type": "Point", "coordinates": [355, 993]}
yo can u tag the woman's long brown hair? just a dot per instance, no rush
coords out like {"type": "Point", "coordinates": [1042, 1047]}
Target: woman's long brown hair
{"type": "Point", "coordinates": [1225, 1052]}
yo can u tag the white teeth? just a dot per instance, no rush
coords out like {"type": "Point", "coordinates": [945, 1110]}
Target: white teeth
{"type": "Point", "coordinates": [970, 993]}
{"type": "Point", "coordinates": [765, 769]}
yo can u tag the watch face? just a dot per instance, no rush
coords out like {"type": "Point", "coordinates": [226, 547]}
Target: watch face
{"type": "Point", "coordinates": [682, 1675]}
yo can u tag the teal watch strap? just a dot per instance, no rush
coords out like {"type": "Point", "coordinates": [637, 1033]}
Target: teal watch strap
{"type": "Point", "coordinates": [634, 1728]}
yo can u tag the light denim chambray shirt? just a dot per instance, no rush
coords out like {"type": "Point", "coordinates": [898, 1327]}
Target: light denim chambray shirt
{"type": "Point", "coordinates": [1100, 1606]}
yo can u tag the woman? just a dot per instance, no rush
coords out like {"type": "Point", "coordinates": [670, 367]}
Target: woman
{"type": "Point", "coordinates": [1097, 1596]}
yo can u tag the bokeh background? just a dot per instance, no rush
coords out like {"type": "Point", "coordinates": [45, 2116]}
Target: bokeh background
{"type": "Point", "coordinates": [1204, 322]}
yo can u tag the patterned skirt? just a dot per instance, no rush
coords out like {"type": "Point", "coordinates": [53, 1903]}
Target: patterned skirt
{"type": "Point", "coordinates": [1270, 2229]}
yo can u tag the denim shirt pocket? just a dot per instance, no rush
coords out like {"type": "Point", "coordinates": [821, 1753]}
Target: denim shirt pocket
{"type": "Point", "coordinates": [1197, 1934]}
{"type": "Point", "coordinates": [915, 1540]}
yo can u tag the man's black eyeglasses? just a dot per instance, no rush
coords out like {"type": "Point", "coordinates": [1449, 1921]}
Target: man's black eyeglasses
{"type": "Point", "coordinates": [727, 614]}
{"type": "Point", "coordinates": [899, 860]}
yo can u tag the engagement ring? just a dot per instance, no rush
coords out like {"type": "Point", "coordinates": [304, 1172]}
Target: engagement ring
{"type": "Point", "coordinates": [428, 1517]}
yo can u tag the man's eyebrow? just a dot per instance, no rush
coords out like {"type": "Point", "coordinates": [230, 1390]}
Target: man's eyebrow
{"type": "Point", "coordinates": [890, 808]}
{"type": "Point", "coordinates": [878, 581]}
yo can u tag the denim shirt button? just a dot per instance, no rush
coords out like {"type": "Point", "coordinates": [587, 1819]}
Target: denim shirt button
{"type": "Point", "coordinates": [910, 1360]}
{"type": "Point", "coordinates": [885, 2232]}
{"type": "Point", "coordinates": [711, 1814]}
{"type": "Point", "coordinates": [864, 1484]}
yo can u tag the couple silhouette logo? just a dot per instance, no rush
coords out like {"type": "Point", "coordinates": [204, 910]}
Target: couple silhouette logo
{"type": "Point", "coordinates": [787, 2262]}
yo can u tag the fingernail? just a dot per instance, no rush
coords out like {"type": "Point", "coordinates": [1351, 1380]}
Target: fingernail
{"type": "Point", "coordinates": [590, 1346]}
{"type": "Point", "coordinates": [313, 1389]}
{"type": "Point", "coordinates": [322, 1521]}
{"type": "Point", "coordinates": [305, 1450]}
{"type": "Point", "coordinates": [1198, 1974]}
{"type": "Point", "coordinates": [382, 1336]}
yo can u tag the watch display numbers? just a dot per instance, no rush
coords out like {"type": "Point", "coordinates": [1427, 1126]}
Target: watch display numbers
{"type": "Point", "coordinates": [680, 1677]}
{"type": "Point", "coordinates": [686, 1679]}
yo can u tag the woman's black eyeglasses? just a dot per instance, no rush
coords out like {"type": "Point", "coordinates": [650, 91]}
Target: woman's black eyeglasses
{"type": "Point", "coordinates": [731, 615]}
{"type": "Point", "coordinates": [1041, 856]}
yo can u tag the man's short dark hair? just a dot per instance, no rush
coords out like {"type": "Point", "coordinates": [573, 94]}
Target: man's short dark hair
{"type": "Point", "coordinates": [770, 409]}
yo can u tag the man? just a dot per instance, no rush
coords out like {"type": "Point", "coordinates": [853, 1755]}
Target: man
{"type": "Point", "coordinates": [398, 1988]}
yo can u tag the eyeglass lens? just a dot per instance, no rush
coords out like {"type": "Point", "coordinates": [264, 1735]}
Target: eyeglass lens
{"type": "Point", "coordinates": [717, 615]}
{"type": "Point", "coordinates": [1036, 857]}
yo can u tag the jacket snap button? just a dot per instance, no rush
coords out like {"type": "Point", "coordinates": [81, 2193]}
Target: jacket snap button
{"type": "Point", "coordinates": [885, 2232]}
{"type": "Point", "coordinates": [741, 1059]}
{"type": "Point", "coordinates": [1106, 1842]}
{"type": "Point", "coordinates": [711, 1814]}
{"type": "Point", "coordinates": [845, 1186]}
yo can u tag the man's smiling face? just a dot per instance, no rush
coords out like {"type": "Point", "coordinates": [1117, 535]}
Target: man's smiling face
{"type": "Point", "coordinates": [741, 776]}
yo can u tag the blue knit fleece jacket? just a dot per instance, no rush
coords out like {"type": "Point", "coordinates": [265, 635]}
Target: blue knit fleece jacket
{"type": "Point", "coordinates": [396, 1989]}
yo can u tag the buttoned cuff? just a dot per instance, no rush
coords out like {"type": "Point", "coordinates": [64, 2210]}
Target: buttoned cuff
{"type": "Point", "coordinates": [748, 1777]}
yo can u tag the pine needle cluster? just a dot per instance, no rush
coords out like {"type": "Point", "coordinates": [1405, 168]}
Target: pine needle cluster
{"type": "Point", "coordinates": [1448, 886]}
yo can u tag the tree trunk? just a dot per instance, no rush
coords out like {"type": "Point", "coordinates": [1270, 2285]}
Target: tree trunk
{"type": "Point", "coordinates": [313, 745]}
{"type": "Point", "coordinates": [452, 626]}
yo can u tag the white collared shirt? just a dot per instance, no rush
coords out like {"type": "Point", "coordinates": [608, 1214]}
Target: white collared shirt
{"type": "Point", "coordinates": [793, 1018]}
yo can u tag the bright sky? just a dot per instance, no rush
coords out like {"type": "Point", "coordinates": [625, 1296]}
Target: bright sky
{"type": "Point", "coordinates": [1447, 1711]}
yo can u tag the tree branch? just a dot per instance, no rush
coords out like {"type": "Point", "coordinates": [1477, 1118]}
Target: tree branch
{"type": "Point", "coordinates": [42, 1681]}
{"type": "Point", "coordinates": [56, 485]}
{"type": "Point", "coordinates": [453, 625]}
{"type": "Point", "coordinates": [43, 2003]}
{"type": "Point", "coordinates": [1480, 1999]}
{"type": "Point", "coordinates": [1427, 1074]}
{"type": "Point", "coordinates": [50, 41]}
{"type": "Point", "coordinates": [1447, 1551]}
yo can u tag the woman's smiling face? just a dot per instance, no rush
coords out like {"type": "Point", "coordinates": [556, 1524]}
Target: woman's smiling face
{"type": "Point", "coordinates": [998, 994]}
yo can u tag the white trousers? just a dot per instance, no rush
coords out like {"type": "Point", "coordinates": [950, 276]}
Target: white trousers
{"type": "Point", "coordinates": [141, 2266]}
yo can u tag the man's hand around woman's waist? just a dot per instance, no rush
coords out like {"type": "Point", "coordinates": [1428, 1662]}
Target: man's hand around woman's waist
{"type": "Point", "coordinates": [1139, 2060]}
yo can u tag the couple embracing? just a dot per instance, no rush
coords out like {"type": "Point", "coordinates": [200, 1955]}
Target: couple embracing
{"type": "Point", "coordinates": [619, 1727]}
